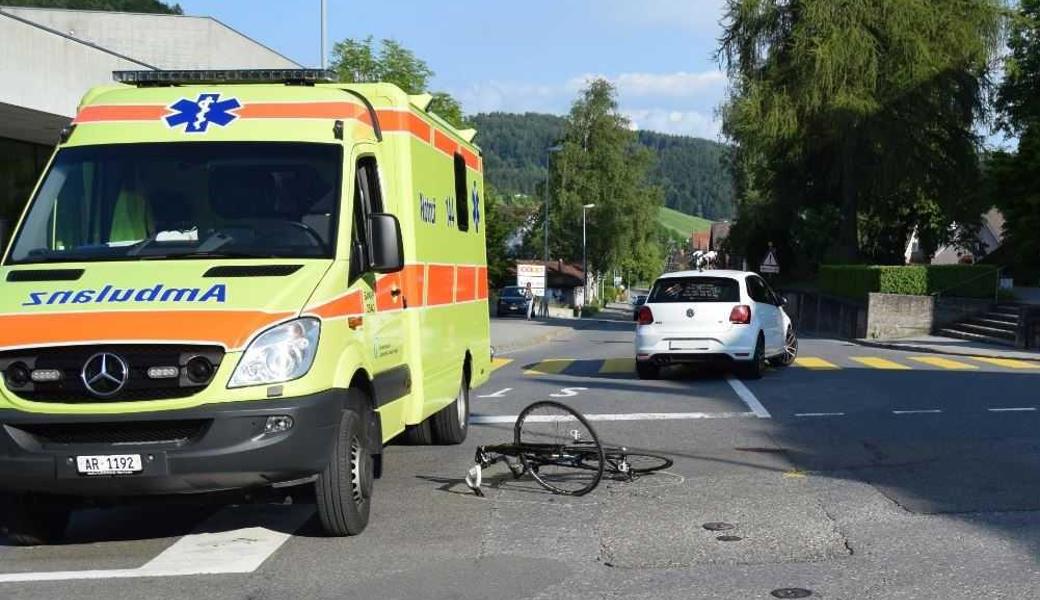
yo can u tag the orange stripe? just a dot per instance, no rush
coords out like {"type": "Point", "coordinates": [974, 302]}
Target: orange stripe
{"type": "Point", "coordinates": [351, 304]}
{"type": "Point", "coordinates": [304, 110]}
{"type": "Point", "coordinates": [482, 283]}
{"type": "Point", "coordinates": [465, 284]}
{"type": "Point", "coordinates": [472, 161]}
{"type": "Point", "coordinates": [414, 283]}
{"type": "Point", "coordinates": [444, 143]}
{"type": "Point", "coordinates": [121, 112]}
{"type": "Point", "coordinates": [441, 281]}
{"type": "Point", "coordinates": [230, 328]}
{"type": "Point", "coordinates": [395, 120]}
{"type": "Point", "coordinates": [385, 286]}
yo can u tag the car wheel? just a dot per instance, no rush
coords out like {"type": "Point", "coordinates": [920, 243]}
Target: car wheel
{"type": "Point", "coordinates": [35, 520]}
{"type": "Point", "coordinates": [790, 350]}
{"type": "Point", "coordinates": [451, 424]}
{"type": "Point", "coordinates": [757, 366]}
{"type": "Point", "coordinates": [344, 489]}
{"type": "Point", "coordinates": [647, 370]}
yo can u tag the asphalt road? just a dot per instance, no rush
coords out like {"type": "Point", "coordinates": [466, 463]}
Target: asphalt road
{"type": "Point", "coordinates": [857, 473]}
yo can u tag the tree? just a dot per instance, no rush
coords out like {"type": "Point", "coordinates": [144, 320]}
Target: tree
{"type": "Point", "coordinates": [1015, 184]}
{"type": "Point", "coordinates": [359, 61]}
{"type": "Point", "coordinates": [601, 163]}
{"type": "Point", "coordinates": [859, 109]}
{"type": "Point", "coordinates": [137, 6]}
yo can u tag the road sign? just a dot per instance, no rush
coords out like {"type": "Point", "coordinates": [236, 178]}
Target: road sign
{"type": "Point", "coordinates": [533, 274]}
{"type": "Point", "coordinates": [769, 263]}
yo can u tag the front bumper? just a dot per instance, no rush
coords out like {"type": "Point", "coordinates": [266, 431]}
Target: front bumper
{"type": "Point", "coordinates": [227, 448]}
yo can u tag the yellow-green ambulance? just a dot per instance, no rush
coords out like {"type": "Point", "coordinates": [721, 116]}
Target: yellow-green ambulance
{"type": "Point", "coordinates": [230, 280]}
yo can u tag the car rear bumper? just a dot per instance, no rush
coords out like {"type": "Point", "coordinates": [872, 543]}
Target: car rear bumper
{"type": "Point", "coordinates": [677, 347]}
{"type": "Point", "coordinates": [206, 449]}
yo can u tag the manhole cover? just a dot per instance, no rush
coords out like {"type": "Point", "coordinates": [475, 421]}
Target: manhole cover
{"type": "Point", "coordinates": [733, 538]}
{"type": "Point", "coordinates": [718, 526]}
{"type": "Point", "coordinates": [790, 593]}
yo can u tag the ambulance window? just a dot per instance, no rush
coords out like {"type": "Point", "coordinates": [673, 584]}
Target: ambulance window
{"type": "Point", "coordinates": [461, 198]}
{"type": "Point", "coordinates": [368, 199]}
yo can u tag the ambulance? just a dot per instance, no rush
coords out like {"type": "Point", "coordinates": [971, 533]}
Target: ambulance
{"type": "Point", "coordinates": [230, 280]}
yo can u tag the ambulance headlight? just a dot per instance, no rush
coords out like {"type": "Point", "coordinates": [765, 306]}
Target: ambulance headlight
{"type": "Point", "coordinates": [280, 354]}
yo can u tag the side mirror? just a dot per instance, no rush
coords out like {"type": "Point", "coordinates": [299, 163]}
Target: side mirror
{"type": "Point", "coordinates": [386, 249]}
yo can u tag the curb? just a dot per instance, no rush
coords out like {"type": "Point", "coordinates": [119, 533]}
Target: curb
{"type": "Point", "coordinates": [933, 350]}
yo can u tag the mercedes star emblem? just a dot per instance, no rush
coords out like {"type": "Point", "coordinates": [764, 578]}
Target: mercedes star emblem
{"type": "Point", "coordinates": [689, 312]}
{"type": "Point", "coordinates": [104, 374]}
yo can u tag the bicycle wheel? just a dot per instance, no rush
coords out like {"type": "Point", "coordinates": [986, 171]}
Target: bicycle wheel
{"type": "Point", "coordinates": [639, 463]}
{"type": "Point", "coordinates": [559, 448]}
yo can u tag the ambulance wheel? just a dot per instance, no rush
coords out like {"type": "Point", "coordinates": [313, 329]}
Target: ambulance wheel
{"type": "Point", "coordinates": [34, 520]}
{"type": "Point", "coordinates": [418, 435]}
{"type": "Point", "coordinates": [344, 489]}
{"type": "Point", "coordinates": [451, 424]}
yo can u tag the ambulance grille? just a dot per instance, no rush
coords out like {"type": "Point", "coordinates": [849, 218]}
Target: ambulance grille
{"type": "Point", "coordinates": [116, 433]}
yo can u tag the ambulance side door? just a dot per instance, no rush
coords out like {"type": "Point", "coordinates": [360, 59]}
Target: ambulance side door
{"type": "Point", "coordinates": [384, 326]}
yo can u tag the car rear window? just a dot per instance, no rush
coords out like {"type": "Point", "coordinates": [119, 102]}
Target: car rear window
{"type": "Point", "coordinates": [695, 289]}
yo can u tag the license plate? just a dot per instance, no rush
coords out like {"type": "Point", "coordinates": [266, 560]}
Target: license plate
{"type": "Point", "coordinates": [109, 464]}
{"type": "Point", "coordinates": [687, 345]}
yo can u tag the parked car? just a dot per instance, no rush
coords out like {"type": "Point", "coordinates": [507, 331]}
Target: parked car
{"type": "Point", "coordinates": [511, 301]}
{"type": "Point", "coordinates": [722, 317]}
{"type": "Point", "coordinates": [637, 302]}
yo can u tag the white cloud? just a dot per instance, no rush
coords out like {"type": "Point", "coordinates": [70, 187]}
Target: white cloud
{"type": "Point", "coordinates": [680, 84]}
{"type": "Point", "coordinates": [692, 123]}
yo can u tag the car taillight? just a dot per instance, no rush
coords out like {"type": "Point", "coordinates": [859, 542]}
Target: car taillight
{"type": "Point", "coordinates": [741, 314]}
{"type": "Point", "coordinates": [646, 317]}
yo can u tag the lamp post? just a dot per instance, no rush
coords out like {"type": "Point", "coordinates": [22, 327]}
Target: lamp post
{"type": "Point", "coordinates": [584, 254]}
{"type": "Point", "coordinates": [545, 231]}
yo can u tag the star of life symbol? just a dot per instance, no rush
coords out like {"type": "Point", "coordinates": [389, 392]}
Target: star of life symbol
{"type": "Point", "coordinates": [196, 115]}
{"type": "Point", "coordinates": [476, 208]}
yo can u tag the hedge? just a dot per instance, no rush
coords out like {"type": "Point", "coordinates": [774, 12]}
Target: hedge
{"type": "Point", "coordinates": [857, 281]}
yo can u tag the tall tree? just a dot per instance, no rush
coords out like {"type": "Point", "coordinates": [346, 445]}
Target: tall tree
{"type": "Point", "coordinates": [859, 109]}
{"type": "Point", "coordinates": [600, 162]}
{"type": "Point", "coordinates": [1016, 189]}
{"type": "Point", "coordinates": [360, 61]}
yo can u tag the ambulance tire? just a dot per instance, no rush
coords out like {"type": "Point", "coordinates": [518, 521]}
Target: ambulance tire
{"type": "Point", "coordinates": [34, 520]}
{"type": "Point", "coordinates": [344, 489]}
{"type": "Point", "coordinates": [418, 435]}
{"type": "Point", "coordinates": [451, 424]}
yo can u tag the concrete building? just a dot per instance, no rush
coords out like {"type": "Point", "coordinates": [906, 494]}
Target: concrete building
{"type": "Point", "coordinates": [52, 56]}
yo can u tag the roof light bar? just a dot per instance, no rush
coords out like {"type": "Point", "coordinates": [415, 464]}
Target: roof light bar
{"type": "Point", "coordinates": [207, 76]}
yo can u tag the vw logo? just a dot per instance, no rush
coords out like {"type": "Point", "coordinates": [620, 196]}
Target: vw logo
{"type": "Point", "coordinates": [104, 374]}
{"type": "Point", "coordinates": [689, 312]}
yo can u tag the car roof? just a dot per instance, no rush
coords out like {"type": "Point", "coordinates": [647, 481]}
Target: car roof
{"type": "Point", "coordinates": [711, 273]}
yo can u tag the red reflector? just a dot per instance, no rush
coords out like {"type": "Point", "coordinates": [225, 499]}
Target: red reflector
{"type": "Point", "coordinates": [646, 317]}
{"type": "Point", "coordinates": [741, 314]}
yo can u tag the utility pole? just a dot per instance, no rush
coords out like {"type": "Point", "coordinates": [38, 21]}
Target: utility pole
{"type": "Point", "coordinates": [324, 52]}
{"type": "Point", "coordinates": [584, 253]}
{"type": "Point", "coordinates": [545, 231]}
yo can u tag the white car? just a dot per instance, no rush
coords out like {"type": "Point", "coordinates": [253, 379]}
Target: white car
{"type": "Point", "coordinates": [702, 317]}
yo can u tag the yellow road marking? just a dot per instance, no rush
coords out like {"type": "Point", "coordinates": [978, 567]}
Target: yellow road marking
{"type": "Point", "coordinates": [498, 363]}
{"type": "Point", "coordinates": [943, 363]}
{"type": "Point", "coordinates": [551, 366]}
{"type": "Point", "coordinates": [811, 362]}
{"type": "Point", "coordinates": [618, 365]}
{"type": "Point", "coordinates": [1009, 363]}
{"type": "Point", "coordinates": [879, 363]}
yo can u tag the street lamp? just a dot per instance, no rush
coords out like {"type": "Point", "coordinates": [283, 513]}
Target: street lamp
{"type": "Point", "coordinates": [324, 53]}
{"type": "Point", "coordinates": [584, 254]}
{"type": "Point", "coordinates": [545, 232]}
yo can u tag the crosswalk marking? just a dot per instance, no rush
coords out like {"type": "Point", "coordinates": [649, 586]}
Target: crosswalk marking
{"type": "Point", "coordinates": [879, 363]}
{"type": "Point", "coordinates": [498, 363]}
{"type": "Point", "coordinates": [551, 366]}
{"type": "Point", "coordinates": [618, 365]}
{"type": "Point", "coordinates": [944, 363]}
{"type": "Point", "coordinates": [811, 362]}
{"type": "Point", "coordinates": [1009, 363]}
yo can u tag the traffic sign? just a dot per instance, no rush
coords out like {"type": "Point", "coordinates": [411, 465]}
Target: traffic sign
{"type": "Point", "coordinates": [769, 263]}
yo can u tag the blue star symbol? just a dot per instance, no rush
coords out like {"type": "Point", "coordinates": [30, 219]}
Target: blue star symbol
{"type": "Point", "coordinates": [476, 209]}
{"type": "Point", "coordinates": [196, 115]}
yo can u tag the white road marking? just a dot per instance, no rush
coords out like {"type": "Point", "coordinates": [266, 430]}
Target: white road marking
{"type": "Point", "coordinates": [568, 392]}
{"type": "Point", "coordinates": [494, 419]}
{"type": "Point", "coordinates": [499, 394]}
{"type": "Point", "coordinates": [928, 411]}
{"type": "Point", "coordinates": [822, 414]}
{"type": "Point", "coordinates": [240, 550]}
{"type": "Point", "coordinates": [1016, 409]}
{"type": "Point", "coordinates": [748, 398]}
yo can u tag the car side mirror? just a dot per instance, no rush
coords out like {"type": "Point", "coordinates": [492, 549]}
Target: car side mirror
{"type": "Point", "coordinates": [386, 249]}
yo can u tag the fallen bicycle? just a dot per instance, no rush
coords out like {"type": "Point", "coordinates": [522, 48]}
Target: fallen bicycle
{"type": "Point", "coordinates": [560, 449]}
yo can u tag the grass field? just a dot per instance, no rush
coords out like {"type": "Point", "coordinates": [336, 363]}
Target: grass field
{"type": "Point", "coordinates": [682, 223]}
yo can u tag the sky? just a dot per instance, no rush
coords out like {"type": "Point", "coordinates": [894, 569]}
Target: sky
{"type": "Point", "coordinates": [523, 55]}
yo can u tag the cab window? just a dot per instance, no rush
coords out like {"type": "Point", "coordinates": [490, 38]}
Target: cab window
{"type": "Point", "coordinates": [368, 200]}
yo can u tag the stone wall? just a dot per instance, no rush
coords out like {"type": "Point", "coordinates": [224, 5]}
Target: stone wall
{"type": "Point", "coordinates": [894, 316]}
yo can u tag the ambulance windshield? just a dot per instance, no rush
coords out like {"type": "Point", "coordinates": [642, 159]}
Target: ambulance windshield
{"type": "Point", "coordinates": [184, 200]}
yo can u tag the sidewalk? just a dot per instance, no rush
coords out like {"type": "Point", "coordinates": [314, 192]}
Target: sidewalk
{"type": "Point", "coordinates": [951, 346]}
{"type": "Point", "coordinates": [514, 334]}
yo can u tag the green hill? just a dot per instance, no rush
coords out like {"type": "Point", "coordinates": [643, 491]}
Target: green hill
{"type": "Point", "coordinates": [691, 171]}
{"type": "Point", "coordinates": [682, 223]}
